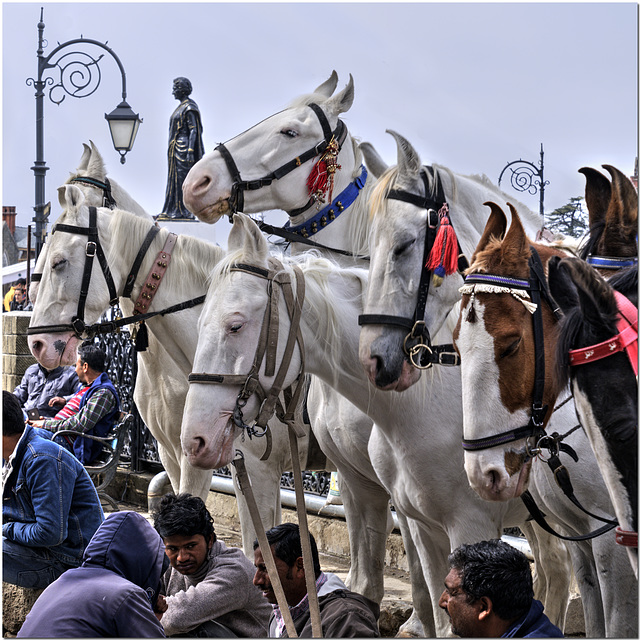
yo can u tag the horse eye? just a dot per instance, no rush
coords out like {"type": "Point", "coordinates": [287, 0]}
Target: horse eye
{"type": "Point", "coordinates": [289, 132]}
{"type": "Point", "coordinates": [403, 247]}
{"type": "Point", "coordinates": [512, 348]}
{"type": "Point", "coordinates": [235, 328]}
{"type": "Point", "coordinates": [60, 263]}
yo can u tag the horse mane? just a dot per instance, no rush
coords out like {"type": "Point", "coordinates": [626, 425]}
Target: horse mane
{"type": "Point", "coordinates": [192, 260]}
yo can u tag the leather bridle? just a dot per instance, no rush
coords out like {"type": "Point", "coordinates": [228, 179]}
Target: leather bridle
{"type": "Point", "coordinates": [266, 351]}
{"type": "Point", "coordinates": [239, 186]}
{"type": "Point", "coordinates": [536, 288]}
{"type": "Point", "coordinates": [417, 343]}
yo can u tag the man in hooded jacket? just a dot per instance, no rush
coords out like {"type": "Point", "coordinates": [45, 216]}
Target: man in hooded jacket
{"type": "Point", "coordinates": [113, 593]}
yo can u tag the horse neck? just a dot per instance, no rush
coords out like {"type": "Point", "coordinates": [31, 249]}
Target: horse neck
{"type": "Point", "coordinates": [185, 279]}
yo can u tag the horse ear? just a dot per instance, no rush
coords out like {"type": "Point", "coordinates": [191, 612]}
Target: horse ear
{"type": "Point", "coordinates": [623, 206]}
{"type": "Point", "coordinates": [328, 86]}
{"type": "Point", "coordinates": [245, 236]}
{"type": "Point", "coordinates": [341, 102]}
{"type": "Point", "coordinates": [515, 240]}
{"type": "Point", "coordinates": [73, 197]}
{"type": "Point", "coordinates": [495, 227]}
{"type": "Point", "coordinates": [561, 284]}
{"type": "Point", "coordinates": [597, 194]}
{"type": "Point", "coordinates": [96, 166]}
{"type": "Point", "coordinates": [84, 160]}
{"type": "Point", "coordinates": [376, 165]}
{"type": "Point", "coordinates": [409, 163]}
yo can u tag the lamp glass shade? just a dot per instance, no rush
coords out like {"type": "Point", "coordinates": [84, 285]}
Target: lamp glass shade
{"type": "Point", "coordinates": [123, 124]}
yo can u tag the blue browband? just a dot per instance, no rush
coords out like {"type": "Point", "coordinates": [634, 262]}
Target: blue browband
{"type": "Point", "coordinates": [611, 263]}
{"type": "Point", "coordinates": [486, 278]}
{"type": "Point", "coordinates": [328, 214]}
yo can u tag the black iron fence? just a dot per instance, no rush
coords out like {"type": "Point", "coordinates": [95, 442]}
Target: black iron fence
{"type": "Point", "coordinates": [140, 449]}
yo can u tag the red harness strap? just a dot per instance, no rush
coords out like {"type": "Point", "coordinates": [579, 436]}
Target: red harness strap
{"type": "Point", "coordinates": [626, 538]}
{"type": "Point", "coordinates": [627, 338]}
{"type": "Point", "coordinates": [154, 278]}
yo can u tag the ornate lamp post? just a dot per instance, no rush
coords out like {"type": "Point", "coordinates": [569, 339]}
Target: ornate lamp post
{"type": "Point", "coordinates": [525, 176]}
{"type": "Point", "coordinates": [79, 77]}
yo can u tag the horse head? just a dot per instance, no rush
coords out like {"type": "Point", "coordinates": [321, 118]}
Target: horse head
{"type": "Point", "coordinates": [398, 239]}
{"type": "Point", "coordinates": [231, 336]}
{"type": "Point", "coordinates": [613, 214]}
{"type": "Point", "coordinates": [267, 166]}
{"type": "Point", "coordinates": [52, 338]}
{"type": "Point", "coordinates": [495, 337]}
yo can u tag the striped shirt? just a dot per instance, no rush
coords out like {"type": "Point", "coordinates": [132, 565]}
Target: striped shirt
{"type": "Point", "coordinates": [100, 404]}
{"type": "Point", "coordinates": [72, 406]}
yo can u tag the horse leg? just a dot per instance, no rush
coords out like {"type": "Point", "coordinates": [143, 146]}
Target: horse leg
{"type": "Point", "coordinates": [552, 575]}
{"type": "Point", "coordinates": [366, 507]}
{"type": "Point", "coordinates": [421, 623]}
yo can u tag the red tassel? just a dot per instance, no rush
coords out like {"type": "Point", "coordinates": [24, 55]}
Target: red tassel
{"type": "Point", "coordinates": [320, 179]}
{"type": "Point", "coordinates": [317, 180]}
{"type": "Point", "coordinates": [443, 258]}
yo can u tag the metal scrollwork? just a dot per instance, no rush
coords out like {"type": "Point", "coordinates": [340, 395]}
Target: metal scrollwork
{"type": "Point", "coordinates": [79, 76]}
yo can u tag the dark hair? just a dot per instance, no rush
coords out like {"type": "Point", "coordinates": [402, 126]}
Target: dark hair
{"type": "Point", "coordinates": [183, 515]}
{"type": "Point", "coordinates": [93, 355]}
{"type": "Point", "coordinates": [185, 84]}
{"type": "Point", "coordinates": [19, 281]}
{"type": "Point", "coordinates": [495, 569]}
{"type": "Point", "coordinates": [285, 540]}
{"type": "Point", "coordinates": [12, 417]}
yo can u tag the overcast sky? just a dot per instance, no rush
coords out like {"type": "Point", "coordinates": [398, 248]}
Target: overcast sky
{"type": "Point", "coordinates": [472, 86]}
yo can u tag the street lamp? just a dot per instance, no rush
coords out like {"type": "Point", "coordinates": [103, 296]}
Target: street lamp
{"type": "Point", "coordinates": [79, 77]}
{"type": "Point", "coordinates": [525, 176]}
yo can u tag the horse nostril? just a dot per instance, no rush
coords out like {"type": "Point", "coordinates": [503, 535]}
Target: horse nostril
{"type": "Point", "coordinates": [198, 445]}
{"type": "Point", "coordinates": [36, 347]}
{"type": "Point", "coordinates": [202, 185]}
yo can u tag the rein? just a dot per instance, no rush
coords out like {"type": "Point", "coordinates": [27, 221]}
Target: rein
{"type": "Point", "coordinates": [529, 293]}
{"type": "Point", "coordinates": [267, 350]}
{"type": "Point", "coordinates": [417, 343]}
{"type": "Point", "coordinates": [239, 186]}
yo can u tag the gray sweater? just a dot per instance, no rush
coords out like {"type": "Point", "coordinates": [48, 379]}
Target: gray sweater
{"type": "Point", "coordinates": [222, 590]}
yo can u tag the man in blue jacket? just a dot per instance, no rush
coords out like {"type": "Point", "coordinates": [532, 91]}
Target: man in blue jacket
{"type": "Point", "coordinates": [50, 508]}
{"type": "Point", "coordinates": [115, 591]}
{"type": "Point", "coordinates": [99, 406]}
{"type": "Point", "coordinates": [489, 594]}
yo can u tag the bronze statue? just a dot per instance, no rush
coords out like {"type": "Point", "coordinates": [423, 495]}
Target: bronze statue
{"type": "Point", "coordinates": [185, 149]}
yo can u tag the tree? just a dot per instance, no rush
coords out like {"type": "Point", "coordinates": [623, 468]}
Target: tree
{"type": "Point", "coordinates": [570, 219]}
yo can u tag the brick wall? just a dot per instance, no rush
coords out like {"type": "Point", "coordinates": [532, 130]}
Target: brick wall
{"type": "Point", "coordinates": [16, 356]}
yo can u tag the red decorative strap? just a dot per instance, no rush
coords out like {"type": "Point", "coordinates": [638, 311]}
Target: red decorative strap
{"type": "Point", "coordinates": [627, 338]}
{"type": "Point", "coordinates": [154, 278]}
{"type": "Point", "coordinates": [626, 538]}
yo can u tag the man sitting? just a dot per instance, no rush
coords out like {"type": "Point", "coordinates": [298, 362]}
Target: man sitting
{"type": "Point", "coordinates": [208, 588]}
{"type": "Point", "coordinates": [50, 507]}
{"type": "Point", "coordinates": [44, 390]}
{"type": "Point", "coordinates": [343, 613]}
{"type": "Point", "coordinates": [99, 406]}
{"type": "Point", "coordinates": [489, 594]}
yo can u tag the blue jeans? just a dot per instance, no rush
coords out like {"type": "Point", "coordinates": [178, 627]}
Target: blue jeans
{"type": "Point", "coordinates": [29, 567]}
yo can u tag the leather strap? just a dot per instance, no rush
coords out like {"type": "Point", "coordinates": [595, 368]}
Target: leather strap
{"type": "Point", "coordinates": [626, 538]}
{"type": "Point", "coordinates": [154, 278]}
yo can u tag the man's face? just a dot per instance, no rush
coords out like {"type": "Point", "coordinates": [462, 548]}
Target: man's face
{"type": "Point", "coordinates": [463, 616]}
{"type": "Point", "coordinates": [291, 578]}
{"type": "Point", "coordinates": [186, 553]}
{"type": "Point", "coordinates": [81, 370]}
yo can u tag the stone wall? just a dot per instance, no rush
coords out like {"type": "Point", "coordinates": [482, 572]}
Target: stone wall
{"type": "Point", "coordinates": [16, 356]}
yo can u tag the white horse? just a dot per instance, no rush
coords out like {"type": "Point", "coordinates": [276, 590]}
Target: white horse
{"type": "Point", "coordinates": [161, 385]}
{"type": "Point", "coordinates": [421, 467]}
{"type": "Point", "coordinates": [398, 238]}
{"type": "Point", "coordinates": [341, 430]}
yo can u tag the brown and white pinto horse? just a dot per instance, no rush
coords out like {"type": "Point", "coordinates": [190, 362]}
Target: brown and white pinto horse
{"type": "Point", "coordinates": [507, 403]}
{"type": "Point", "coordinates": [603, 374]}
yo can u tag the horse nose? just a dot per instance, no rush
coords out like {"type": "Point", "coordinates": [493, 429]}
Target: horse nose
{"type": "Point", "coordinates": [36, 347]}
{"type": "Point", "coordinates": [371, 366]}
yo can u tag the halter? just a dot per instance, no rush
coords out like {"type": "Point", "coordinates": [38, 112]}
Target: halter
{"type": "Point", "coordinates": [267, 351]}
{"type": "Point", "coordinates": [417, 343]}
{"type": "Point", "coordinates": [108, 200]}
{"type": "Point", "coordinates": [239, 186]}
{"type": "Point", "coordinates": [606, 262]}
{"type": "Point", "coordinates": [529, 293]}
{"type": "Point", "coordinates": [625, 340]}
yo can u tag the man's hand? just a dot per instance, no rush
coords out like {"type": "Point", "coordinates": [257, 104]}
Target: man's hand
{"type": "Point", "coordinates": [161, 606]}
{"type": "Point", "coordinates": [57, 400]}
{"type": "Point", "coordinates": [36, 423]}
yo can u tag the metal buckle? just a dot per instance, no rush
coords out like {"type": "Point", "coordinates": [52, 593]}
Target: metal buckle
{"type": "Point", "coordinates": [453, 356]}
{"type": "Point", "coordinates": [415, 350]}
{"type": "Point", "coordinates": [90, 250]}
{"type": "Point", "coordinates": [435, 224]}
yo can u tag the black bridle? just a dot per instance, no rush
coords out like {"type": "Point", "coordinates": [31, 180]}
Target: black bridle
{"type": "Point", "coordinates": [537, 288]}
{"type": "Point", "coordinates": [239, 186]}
{"type": "Point", "coordinates": [417, 344]}
{"type": "Point", "coordinates": [107, 197]}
